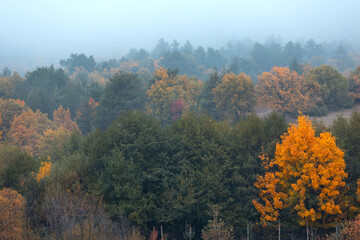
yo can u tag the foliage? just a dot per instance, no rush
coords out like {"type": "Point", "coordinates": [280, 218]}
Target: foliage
{"type": "Point", "coordinates": [123, 92]}
{"type": "Point", "coordinates": [354, 83]}
{"type": "Point", "coordinates": [62, 118]}
{"type": "Point", "coordinates": [235, 95]}
{"type": "Point", "coordinates": [169, 88]}
{"type": "Point", "coordinates": [307, 175]}
{"type": "Point", "coordinates": [12, 215]}
{"type": "Point", "coordinates": [27, 129]}
{"type": "Point", "coordinates": [9, 109]}
{"type": "Point", "coordinates": [216, 229]}
{"type": "Point", "coordinates": [16, 167]}
{"type": "Point", "coordinates": [44, 170]}
{"type": "Point", "coordinates": [79, 60]}
{"type": "Point", "coordinates": [333, 86]}
{"type": "Point", "coordinates": [283, 90]}
{"type": "Point", "coordinates": [206, 98]}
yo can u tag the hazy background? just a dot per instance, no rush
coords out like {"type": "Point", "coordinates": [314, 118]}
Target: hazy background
{"type": "Point", "coordinates": [34, 32]}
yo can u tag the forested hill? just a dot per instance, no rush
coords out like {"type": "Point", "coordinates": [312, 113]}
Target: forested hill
{"type": "Point", "coordinates": [162, 145]}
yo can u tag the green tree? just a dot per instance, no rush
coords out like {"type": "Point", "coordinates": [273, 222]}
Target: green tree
{"type": "Point", "coordinates": [334, 87]}
{"type": "Point", "coordinates": [123, 92]}
{"type": "Point", "coordinates": [79, 60]}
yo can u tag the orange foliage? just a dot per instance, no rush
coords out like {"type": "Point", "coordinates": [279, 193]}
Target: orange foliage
{"type": "Point", "coordinates": [62, 118]}
{"type": "Point", "coordinates": [351, 230]}
{"type": "Point", "coordinates": [92, 103]}
{"type": "Point", "coordinates": [44, 170]}
{"type": "Point", "coordinates": [283, 90]}
{"type": "Point", "coordinates": [12, 215]}
{"type": "Point", "coordinates": [27, 129]}
{"type": "Point", "coordinates": [305, 168]}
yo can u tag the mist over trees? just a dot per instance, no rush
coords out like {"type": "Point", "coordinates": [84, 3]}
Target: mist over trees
{"type": "Point", "coordinates": [183, 142]}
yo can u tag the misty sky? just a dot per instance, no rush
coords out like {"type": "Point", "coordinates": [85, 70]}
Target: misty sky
{"type": "Point", "coordinates": [53, 29]}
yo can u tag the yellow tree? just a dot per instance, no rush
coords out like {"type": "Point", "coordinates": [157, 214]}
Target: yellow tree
{"type": "Point", "coordinates": [306, 176]}
{"type": "Point", "coordinates": [168, 89]}
{"type": "Point", "coordinates": [235, 95]}
{"type": "Point", "coordinates": [283, 90]}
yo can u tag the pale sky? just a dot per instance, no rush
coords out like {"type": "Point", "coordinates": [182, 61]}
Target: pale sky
{"type": "Point", "coordinates": [52, 29]}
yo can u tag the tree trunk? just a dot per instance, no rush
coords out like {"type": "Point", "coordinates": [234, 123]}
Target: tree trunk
{"type": "Point", "coordinates": [248, 231]}
{"type": "Point", "coordinates": [190, 232]}
{"type": "Point", "coordinates": [161, 233]}
{"type": "Point", "coordinates": [279, 230]}
{"type": "Point", "coordinates": [307, 231]}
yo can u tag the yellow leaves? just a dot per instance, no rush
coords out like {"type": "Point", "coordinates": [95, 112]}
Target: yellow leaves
{"type": "Point", "coordinates": [168, 89]}
{"type": "Point", "coordinates": [306, 168]}
{"type": "Point", "coordinates": [236, 93]}
{"type": "Point", "coordinates": [44, 170]}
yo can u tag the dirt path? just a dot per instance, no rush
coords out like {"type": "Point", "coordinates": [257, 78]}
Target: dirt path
{"type": "Point", "coordinates": [332, 115]}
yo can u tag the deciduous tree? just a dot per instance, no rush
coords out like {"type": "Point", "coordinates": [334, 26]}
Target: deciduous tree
{"type": "Point", "coordinates": [283, 90]}
{"type": "Point", "coordinates": [307, 175]}
{"type": "Point", "coordinates": [12, 215]}
{"type": "Point", "coordinates": [235, 95]}
{"type": "Point", "coordinates": [27, 129]}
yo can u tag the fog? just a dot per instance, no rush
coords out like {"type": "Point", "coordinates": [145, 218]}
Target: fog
{"type": "Point", "coordinates": [38, 31]}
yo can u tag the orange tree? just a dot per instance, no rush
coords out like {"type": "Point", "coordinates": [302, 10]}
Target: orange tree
{"type": "Point", "coordinates": [306, 175]}
{"type": "Point", "coordinates": [283, 90]}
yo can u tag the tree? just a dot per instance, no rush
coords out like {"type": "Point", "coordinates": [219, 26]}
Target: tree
{"type": "Point", "coordinates": [354, 83]}
{"type": "Point", "coordinates": [206, 102]}
{"type": "Point", "coordinates": [27, 129]}
{"type": "Point", "coordinates": [79, 60]}
{"type": "Point", "coordinates": [8, 85]}
{"type": "Point", "coordinates": [170, 88]}
{"type": "Point", "coordinates": [16, 167]}
{"type": "Point", "coordinates": [86, 115]}
{"type": "Point", "coordinates": [306, 175]}
{"type": "Point", "coordinates": [235, 95]}
{"type": "Point", "coordinates": [9, 109]}
{"type": "Point", "coordinates": [62, 118]}
{"type": "Point", "coordinates": [123, 92]}
{"type": "Point", "coordinates": [12, 215]}
{"type": "Point", "coordinates": [216, 229]}
{"type": "Point", "coordinates": [54, 143]}
{"type": "Point", "coordinates": [333, 86]}
{"type": "Point", "coordinates": [283, 90]}
{"type": "Point", "coordinates": [6, 72]}
{"type": "Point", "coordinates": [43, 89]}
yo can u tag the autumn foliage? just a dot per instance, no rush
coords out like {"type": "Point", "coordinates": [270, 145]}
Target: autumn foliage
{"type": "Point", "coordinates": [169, 88]}
{"type": "Point", "coordinates": [235, 95]}
{"type": "Point", "coordinates": [283, 90]}
{"type": "Point", "coordinates": [12, 215]}
{"type": "Point", "coordinates": [27, 129]}
{"type": "Point", "coordinates": [306, 175]}
{"type": "Point", "coordinates": [44, 170]}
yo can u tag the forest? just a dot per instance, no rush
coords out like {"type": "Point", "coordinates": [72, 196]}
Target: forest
{"type": "Point", "coordinates": [183, 143]}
